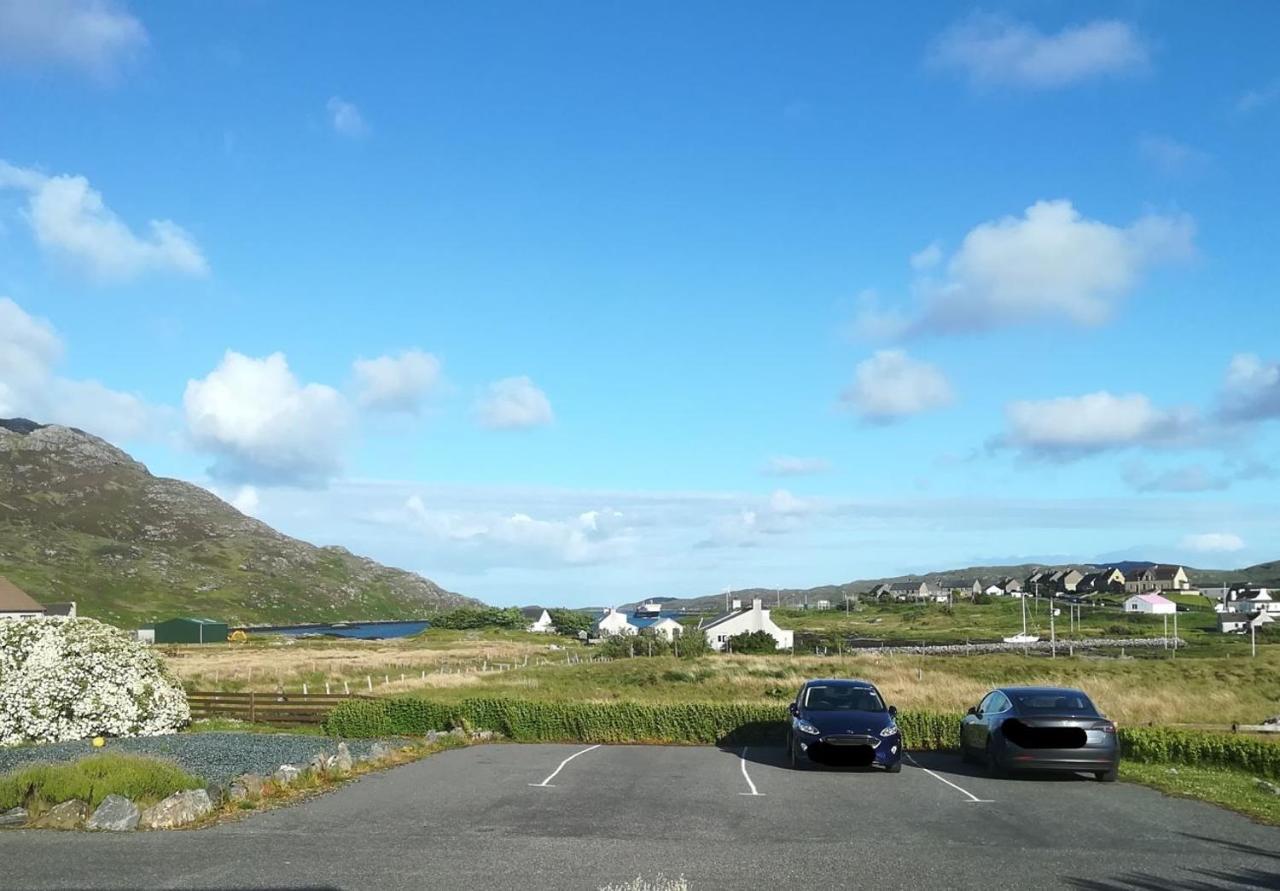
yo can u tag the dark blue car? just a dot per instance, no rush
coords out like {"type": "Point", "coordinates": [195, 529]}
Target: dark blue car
{"type": "Point", "coordinates": [845, 723]}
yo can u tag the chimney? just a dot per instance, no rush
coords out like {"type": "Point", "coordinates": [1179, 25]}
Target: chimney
{"type": "Point", "coordinates": [737, 604]}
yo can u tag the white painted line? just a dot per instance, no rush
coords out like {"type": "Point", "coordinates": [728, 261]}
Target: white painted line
{"type": "Point", "coordinates": [972, 798]}
{"type": "Point", "coordinates": [746, 776]}
{"type": "Point", "coordinates": [547, 782]}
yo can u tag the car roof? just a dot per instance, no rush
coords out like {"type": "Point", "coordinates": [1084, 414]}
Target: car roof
{"type": "Point", "coordinates": [1044, 690]}
{"type": "Point", "coordinates": [840, 682]}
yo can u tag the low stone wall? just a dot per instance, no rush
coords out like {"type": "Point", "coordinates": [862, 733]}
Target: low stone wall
{"type": "Point", "coordinates": [1041, 646]}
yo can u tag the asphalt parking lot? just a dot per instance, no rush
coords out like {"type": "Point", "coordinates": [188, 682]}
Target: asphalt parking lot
{"type": "Point", "coordinates": [580, 817]}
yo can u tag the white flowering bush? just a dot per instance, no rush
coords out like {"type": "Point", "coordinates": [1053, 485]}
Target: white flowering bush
{"type": "Point", "coordinates": [64, 678]}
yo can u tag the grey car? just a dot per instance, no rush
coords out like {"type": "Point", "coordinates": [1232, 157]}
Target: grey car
{"type": "Point", "coordinates": [1040, 728]}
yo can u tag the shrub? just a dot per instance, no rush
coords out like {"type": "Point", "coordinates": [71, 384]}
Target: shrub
{"type": "Point", "coordinates": [1195, 747]}
{"type": "Point", "coordinates": [466, 618]}
{"type": "Point", "coordinates": [753, 642]}
{"type": "Point", "coordinates": [92, 779]}
{"type": "Point", "coordinates": [63, 679]}
{"type": "Point", "coordinates": [570, 622]}
{"type": "Point", "coordinates": [723, 723]}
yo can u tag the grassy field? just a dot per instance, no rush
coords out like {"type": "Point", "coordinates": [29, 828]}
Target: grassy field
{"type": "Point", "coordinates": [1212, 689]}
{"type": "Point", "coordinates": [1234, 789]}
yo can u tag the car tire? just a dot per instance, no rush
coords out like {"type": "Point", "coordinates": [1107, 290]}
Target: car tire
{"type": "Point", "coordinates": [798, 762]}
{"type": "Point", "coordinates": [895, 767]}
{"type": "Point", "coordinates": [993, 764]}
{"type": "Point", "coordinates": [1108, 776]}
{"type": "Point", "coordinates": [966, 756]}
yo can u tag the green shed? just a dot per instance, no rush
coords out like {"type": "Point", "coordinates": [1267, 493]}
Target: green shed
{"type": "Point", "coordinates": [190, 631]}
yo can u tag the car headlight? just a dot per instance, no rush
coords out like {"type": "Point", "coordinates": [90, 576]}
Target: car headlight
{"type": "Point", "coordinates": [805, 727]}
{"type": "Point", "coordinates": [891, 730]}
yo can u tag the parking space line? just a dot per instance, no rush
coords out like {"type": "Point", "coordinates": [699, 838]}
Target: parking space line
{"type": "Point", "coordinates": [742, 762]}
{"type": "Point", "coordinates": [546, 784]}
{"type": "Point", "coordinates": [972, 798]}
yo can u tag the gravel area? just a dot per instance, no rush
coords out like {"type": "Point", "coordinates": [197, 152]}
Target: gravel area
{"type": "Point", "coordinates": [215, 757]}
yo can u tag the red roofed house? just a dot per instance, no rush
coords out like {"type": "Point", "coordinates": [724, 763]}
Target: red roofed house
{"type": "Point", "coordinates": [1149, 603]}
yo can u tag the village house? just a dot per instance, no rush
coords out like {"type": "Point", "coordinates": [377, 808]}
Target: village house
{"type": "Point", "coordinates": [1242, 623]}
{"type": "Point", "coordinates": [1157, 578]}
{"type": "Point", "coordinates": [1149, 603]}
{"type": "Point", "coordinates": [612, 623]}
{"type": "Point", "coordinates": [539, 620]}
{"type": "Point", "coordinates": [1104, 581]}
{"type": "Point", "coordinates": [16, 603]}
{"type": "Point", "coordinates": [740, 620]}
{"type": "Point", "coordinates": [1252, 600]}
{"type": "Point", "coordinates": [659, 626]}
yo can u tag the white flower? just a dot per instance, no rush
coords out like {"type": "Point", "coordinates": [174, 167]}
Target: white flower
{"type": "Point", "coordinates": [63, 678]}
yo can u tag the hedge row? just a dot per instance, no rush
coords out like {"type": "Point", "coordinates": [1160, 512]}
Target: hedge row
{"type": "Point", "coordinates": [1196, 747]}
{"type": "Point", "coordinates": [623, 722]}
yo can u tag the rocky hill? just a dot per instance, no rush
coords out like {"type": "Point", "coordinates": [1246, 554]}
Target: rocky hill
{"type": "Point", "coordinates": [81, 520]}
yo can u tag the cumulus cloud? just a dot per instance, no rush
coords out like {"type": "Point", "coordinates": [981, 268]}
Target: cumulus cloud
{"type": "Point", "coordinates": [1213, 542]}
{"type": "Point", "coordinates": [396, 383]}
{"type": "Point", "coordinates": [519, 539]}
{"type": "Point", "coordinates": [1251, 391]}
{"type": "Point", "coordinates": [262, 425]}
{"type": "Point", "coordinates": [1073, 426]}
{"type": "Point", "coordinates": [345, 118]}
{"type": "Point", "coordinates": [94, 36]}
{"type": "Point", "coordinates": [30, 350]}
{"type": "Point", "coordinates": [993, 50]}
{"type": "Point", "coordinates": [891, 385]}
{"type": "Point", "coordinates": [513, 403]}
{"type": "Point", "coordinates": [70, 221]}
{"type": "Point", "coordinates": [927, 257]}
{"type": "Point", "coordinates": [790, 465]}
{"type": "Point", "coordinates": [1050, 263]}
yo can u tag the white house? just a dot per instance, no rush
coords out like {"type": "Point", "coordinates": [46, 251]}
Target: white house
{"type": "Point", "coordinates": [613, 623]}
{"type": "Point", "coordinates": [15, 603]}
{"type": "Point", "coordinates": [539, 620]}
{"type": "Point", "coordinates": [661, 626]}
{"type": "Point", "coordinates": [745, 620]}
{"type": "Point", "coordinates": [1257, 601]}
{"type": "Point", "coordinates": [1240, 623]}
{"type": "Point", "coordinates": [994, 591]}
{"type": "Point", "coordinates": [822, 604]}
{"type": "Point", "coordinates": [1149, 603]}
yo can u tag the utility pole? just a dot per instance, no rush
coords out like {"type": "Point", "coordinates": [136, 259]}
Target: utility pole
{"type": "Point", "coordinates": [1053, 634]}
{"type": "Point", "coordinates": [1175, 632]}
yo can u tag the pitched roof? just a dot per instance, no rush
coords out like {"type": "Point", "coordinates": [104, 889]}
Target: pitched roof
{"type": "Point", "coordinates": [649, 621]}
{"type": "Point", "coordinates": [1166, 572]}
{"type": "Point", "coordinates": [1155, 599]}
{"type": "Point", "coordinates": [531, 612]}
{"type": "Point", "coordinates": [15, 600]}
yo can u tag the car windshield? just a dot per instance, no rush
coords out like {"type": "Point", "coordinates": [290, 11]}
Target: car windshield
{"type": "Point", "coordinates": [1054, 703]}
{"type": "Point", "coordinates": [840, 698]}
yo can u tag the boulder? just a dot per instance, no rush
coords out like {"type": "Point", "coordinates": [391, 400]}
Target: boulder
{"type": "Point", "coordinates": [68, 815]}
{"type": "Point", "coordinates": [249, 784]}
{"type": "Point", "coordinates": [1267, 786]}
{"type": "Point", "coordinates": [178, 809]}
{"type": "Point", "coordinates": [432, 737]}
{"type": "Point", "coordinates": [458, 733]}
{"type": "Point", "coordinates": [286, 774]}
{"type": "Point", "coordinates": [13, 817]}
{"type": "Point", "coordinates": [115, 814]}
{"type": "Point", "coordinates": [319, 763]}
{"type": "Point", "coordinates": [341, 762]}
{"type": "Point", "coordinates": [378, 751]}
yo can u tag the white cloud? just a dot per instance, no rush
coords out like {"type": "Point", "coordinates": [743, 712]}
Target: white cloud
{"type": "Point", "coordinates": [790, 465]}
{"type": "Point", "coordinates": [345, 118]}
{"type": "Point", "coordinates": [995, 50]}
{"type": "Point", "coordinates": [1213, 542]}
{"type": "Point", "coordinates": [1251, 391]}
{"type": "Point", "coordinates": [1071, 426]}
{"type": "Point", "coordinates": [1252, 100]}
{"type": "Point", "coordinates": [262, 425]}
{"type": "Point", "coordinates": [1189, 478]}
{"type": "Point", "coordinates": [245, 500]}
{"type": "Point", "coordinates": [1051, 263]}
{"type": "Point", "coordinates": [1170, 157]}
{"type": "Point", "coordinates": [70, 220]}
{"type": "Point", "coordinates": [94, 36]}
{"type": "Point", "coordinates": [513, 403]}
{"type": "Point", "coordinates": [30, 350]}
{"type": "Point", "coordinates": [396, 383]}
{"type": "Point", "coordinates": [927, 257]}
{"type": "Point", "coordinates": [891, 385]}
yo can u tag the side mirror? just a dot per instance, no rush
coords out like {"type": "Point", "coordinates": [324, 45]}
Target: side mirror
{"type": "Point", "coordinates": [893, 711]}
{"type": "Point", "coordinates": [973, 710]}
{"type": "Point", "coordinates": [792, 708]}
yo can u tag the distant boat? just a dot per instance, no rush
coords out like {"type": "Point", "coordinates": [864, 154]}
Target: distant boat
{"type": "Point", "coordinates": [1024, 637]}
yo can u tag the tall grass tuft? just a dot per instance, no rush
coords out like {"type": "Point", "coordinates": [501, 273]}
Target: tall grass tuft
{"type": "Point", "coordinates": [92, 779]}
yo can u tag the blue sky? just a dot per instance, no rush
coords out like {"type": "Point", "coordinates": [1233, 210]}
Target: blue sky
{"type": "Point", "coordinates": [595, 301]}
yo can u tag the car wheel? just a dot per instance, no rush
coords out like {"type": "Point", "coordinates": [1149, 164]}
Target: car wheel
{"type": "Point", "coordinates": [1107, 776]}
{"type": "Point", "coordinates": [797, 761]}
{"type": "Point", "coordinates": [895, 767]}
{"type": "Point", "coordinates": [965, 755]}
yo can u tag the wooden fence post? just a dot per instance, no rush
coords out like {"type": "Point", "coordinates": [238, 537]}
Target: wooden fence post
{"type": "Point", "coordinates": [253, 707]}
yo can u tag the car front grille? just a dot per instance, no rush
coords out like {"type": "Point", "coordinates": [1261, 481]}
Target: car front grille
{"type": "Point", "coordinates": [852, 739]}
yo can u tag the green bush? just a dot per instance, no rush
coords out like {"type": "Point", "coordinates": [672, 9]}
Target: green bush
{"type": "Point", "coordinates": [467, 618]}
{"type": "Point", "coordinates": [92, 779]}
{"type": "Point", "coordinates": [752, 642]}
{"type": "Point", "coordinates": [1195, 747]}
{"type": "Point", "coordinates": [570, 622]}
{"type": "Point", "coordinates": [620, 722]}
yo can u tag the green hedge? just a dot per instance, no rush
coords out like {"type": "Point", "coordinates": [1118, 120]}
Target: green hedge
{"type": "Point", "coordinates": [1196, 747]}
{"type": "Point", "coordinates": [622, 722]}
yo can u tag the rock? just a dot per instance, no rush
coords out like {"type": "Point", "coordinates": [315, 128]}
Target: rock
{"type": "Point", "coordinates": [14, 817]}
{"type": "Point", "coordinates": [432, 737]}
{"type": "Point", "coordinates": [250, 783]}
{"type": "Point", "coordinates": [68, 815]}
{"type": "Point", "coordinates": [378, 751]}
{"type": "Point", "coordinates": [458, 733]}
{"type": "Point", "coordinates": [342, 761]}
{"type": "Point", "coordinates": [1266, 786]}
{"type": "Point", "coordinates": [483, 735]}
{"type": "Point", "coordinates": [178, 809]}
{"type": "Point", "coordinates": [1172, 770]}
{"type": "Point", "coordinates": [319, 763]}
{"type": "Point", "coordinates": [237, 792]}
{"type": "Point", "coordinates": [1274, 719]}
{"type": "Point", "coordinates": [286, 774]}
{"type": "Point", "coordinates": [115, 814]}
